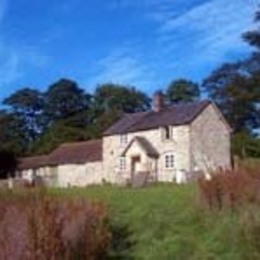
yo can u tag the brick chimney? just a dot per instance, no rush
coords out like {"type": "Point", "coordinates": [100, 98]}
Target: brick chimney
{"type": "Point", "coordinates": [158, 101]}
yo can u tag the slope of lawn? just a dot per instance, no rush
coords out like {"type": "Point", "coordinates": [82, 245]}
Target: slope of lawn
{"type": "Point", "coordinates": [168, 221]}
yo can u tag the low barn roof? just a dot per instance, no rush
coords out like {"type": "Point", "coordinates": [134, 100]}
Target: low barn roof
{"type": "Point", "coordinates": [33, 162]}
{"type": "Point", "coordinates": [179, 114]}
{"type": "Point", "coordinates": [76, 153]}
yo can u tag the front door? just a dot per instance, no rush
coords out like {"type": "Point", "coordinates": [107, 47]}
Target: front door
{"type": "Point", "coordinates": [134, 164]}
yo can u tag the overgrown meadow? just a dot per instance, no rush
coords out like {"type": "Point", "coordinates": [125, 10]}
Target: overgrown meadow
{"type": "Point", "coordinates": [217, 219]}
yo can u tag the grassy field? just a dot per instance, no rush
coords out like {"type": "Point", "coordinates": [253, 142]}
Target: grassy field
{"type": "Point", "coordinates": [216, 219]}
{"type": "Point", "coordinates": [170, 222]}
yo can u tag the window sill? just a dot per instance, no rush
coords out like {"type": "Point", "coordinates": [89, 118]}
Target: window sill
{"type": "Point", "coordinates": [167, 140]}
{"type": "Point", "coordinates": [123, 171]}
{"type": "Point", "coordinates": [168, 169]}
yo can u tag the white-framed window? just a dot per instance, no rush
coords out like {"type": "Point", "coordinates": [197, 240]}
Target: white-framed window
{"type": "Point", "coordinates": [169, 161]}
{"type": "Point", "coordinates": [166, 133]}
{"type": "Point", "coordinates": [123, 139]}
{"type": "Point", "coordinates": [122, 163]}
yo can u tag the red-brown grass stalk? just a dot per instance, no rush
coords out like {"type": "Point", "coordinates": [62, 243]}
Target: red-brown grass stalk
{"type": "Point", "coordinates": [40, 226]}
{"type": "Point", "coordinates": [231, 188]}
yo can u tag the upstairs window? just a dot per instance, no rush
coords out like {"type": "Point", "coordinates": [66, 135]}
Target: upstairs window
{"type": "Point", "coordinates": [166, 133]}
{"type": "Point", "coordinates": [169, 161]}
{"type": "Point", "coordinates": [123, 139]}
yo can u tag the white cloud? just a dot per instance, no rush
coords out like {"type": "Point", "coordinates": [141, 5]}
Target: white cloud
{"type": "Point", "coordinates": [9, 71]}
{"type": "Point", "coordinates": [142, 4]}
{"type": "Point", "coordinates": [194, 36]}
{"type": "Point", "coordinates": [190, 37]}
{"type": "Point", "coordinates": [15, 60]}
{"type": "Point", "coordinates": [9, 59]}
{"type": "Point", "coordinates": [31, 55]}
{"type": "Point", "coordinates": [158, 10]}
{"type": "Point", "coordinates": [123, 66]}
{"type": "Point", "coordinates": [212, 29]}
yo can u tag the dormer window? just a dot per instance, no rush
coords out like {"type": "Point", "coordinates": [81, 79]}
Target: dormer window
{"type": "Point", "coordinates": [166, 133]}
{"type": "Point", "coordinates": [123, 139]}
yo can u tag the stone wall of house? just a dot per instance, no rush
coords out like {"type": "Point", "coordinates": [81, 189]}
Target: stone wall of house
{"type": "Point", "coordinates": [210, 141]}
{"type": "Point", "coordinates": [80, 175]}
{"type": "Point", "coordinates": [179, 146]}
{"type": "Point", "coordinates": [30, 174]}
{"type": "Point", "coordinates": [67, 175]}
{"type": "Point", "coordinates": [26, 175]}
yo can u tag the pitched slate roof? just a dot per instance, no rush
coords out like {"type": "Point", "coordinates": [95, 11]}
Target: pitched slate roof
{"type": "Point", "coordinates": [145, 145]}
{"type": "Point", "coordinates": [33, 162]}
{"type": "Point", "coordinates": [76, 153]}
{"type": "Point", "coordinates": [179, 114]}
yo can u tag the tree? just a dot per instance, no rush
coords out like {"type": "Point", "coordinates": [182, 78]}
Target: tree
{"type": "Point", "coordinates": [66, 113]}
{"type": "Point", "coordinates": [121, 98]}
{"type": "Point", "coordinates": [65, 98]}
{"type": "Point", "coordinates": [58, 133]}
{"type": "Point", "coordinates": [111, 101]}
{"type": "Point", "coordinates": [253, 37]}
{"type": "Point", "coordinates": [235, 94]}
{"type": "Point", "coordinates": [245, 145]}
{"type": "Point", "coordinates": [235, 87]}
{"type": "Point", "coordinates": [182, 90]}
{"type": "Point", "coordinates": [8, 164]}
{"type": "Point", "coordinates": [104, 121]}
{"type": "Point", "coordinates": [26, 105]}
{"type": "Point", "coordinates": [12, 136]}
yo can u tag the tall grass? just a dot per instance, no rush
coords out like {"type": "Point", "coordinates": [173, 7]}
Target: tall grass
{"type": "Point", "coordinates": [40, 226]}
{"type": "Point", "coordinates": [237, 192]}
{"type": "Point", "coordinates": [231, 189]}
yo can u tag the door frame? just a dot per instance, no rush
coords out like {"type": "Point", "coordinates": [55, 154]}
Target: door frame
{"type": "Point", "coordinates": [134, 159]}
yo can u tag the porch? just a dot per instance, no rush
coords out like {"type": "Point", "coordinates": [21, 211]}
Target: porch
{"type": "Point", "coordinates": [141, 163]}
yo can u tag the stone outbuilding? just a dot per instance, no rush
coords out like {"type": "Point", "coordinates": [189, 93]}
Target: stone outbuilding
{"type": "Point", "coordinates": [71, 164]}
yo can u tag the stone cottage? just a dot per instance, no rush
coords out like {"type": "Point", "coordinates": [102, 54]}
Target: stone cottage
{"type": "Point", "coordinates": [167, 143]}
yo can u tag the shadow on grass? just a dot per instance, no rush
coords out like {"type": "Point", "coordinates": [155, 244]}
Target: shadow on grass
{"type": "Point", "coordinates": [122, 243]}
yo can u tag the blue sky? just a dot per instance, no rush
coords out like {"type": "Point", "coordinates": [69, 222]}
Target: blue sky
{"type": "Point", "coordinates": [145, 43]}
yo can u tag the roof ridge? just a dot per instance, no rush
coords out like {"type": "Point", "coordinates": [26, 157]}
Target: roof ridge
{"type": "Point", "coordinates": [80, 142]}
{"type": "Point", "coordinates": [33, 156]}
{"type": "Point", "coordinates": [196, 102]}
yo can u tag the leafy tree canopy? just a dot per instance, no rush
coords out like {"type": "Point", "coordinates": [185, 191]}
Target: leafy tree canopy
{"type": "Point", "coordinates": [121, 98]}
{"type": "Point", "coordinates": [245, 145]}
{"type": "Point", "coordinates": [253, 37]}
{"type": "Point", "coordinates": [65, 98]}
{"type": "Point", "coordinates": [12, 136]}
{"type": "Point", "coordinates": [58, 133]}
{"type": "Point", "coordinates": [26, 101]}
{"type": "Point", "coordinates": [27, 105]}
{"type": "Point", "coordinates": [236, 95]}
{"type": "Point", "coordinates": [182, 90]}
